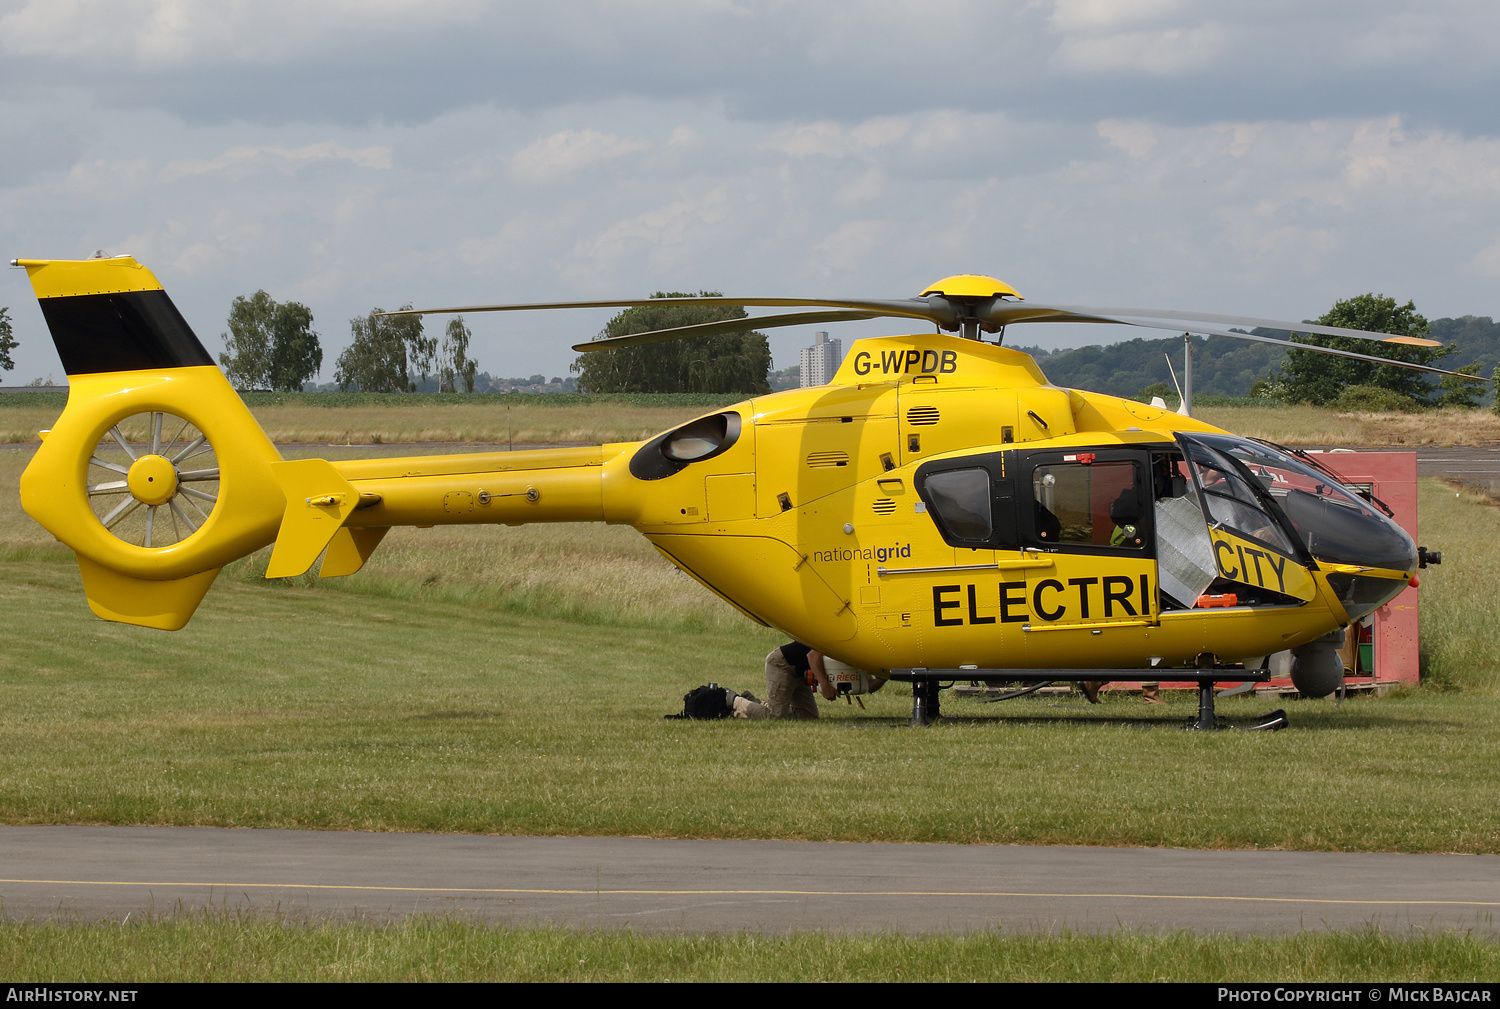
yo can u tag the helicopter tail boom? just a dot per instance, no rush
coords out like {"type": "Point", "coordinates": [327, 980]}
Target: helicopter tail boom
{"type": "Point", "coordinates": [347, 507]}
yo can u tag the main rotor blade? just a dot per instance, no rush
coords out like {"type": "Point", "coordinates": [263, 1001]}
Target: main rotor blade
{"type": "Point", "coordinates": [998, 314]}
{"type": "Point", "coordinates": [911, 308]}
{"type": "Point", "coordinates": [1296, 346]}
{"type": "Point", "coordinates": [1012, 314]}
{"type": "Point", "coordinates": [1241, 320]}
{"type": "Point", "coordinates": [716, 328]}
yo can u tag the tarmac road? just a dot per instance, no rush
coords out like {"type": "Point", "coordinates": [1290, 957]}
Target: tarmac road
{"type": "Point", "coordinates": [1477, 466]}
{"type": "Point", "coordinates": [649, 885]}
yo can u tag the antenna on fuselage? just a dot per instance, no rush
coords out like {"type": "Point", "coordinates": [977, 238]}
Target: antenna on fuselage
{"type": "Point", "coordinates": [1182, 401]}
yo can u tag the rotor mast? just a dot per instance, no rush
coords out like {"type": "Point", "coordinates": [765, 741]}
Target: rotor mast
{"type": "Point", "coordinates": [1187, 374]}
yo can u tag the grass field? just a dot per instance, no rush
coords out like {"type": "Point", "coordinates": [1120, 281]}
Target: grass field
{"type": "Point", "coordinates": [1460, 607]}
{"type": "Point", "coordinates": [309, 708]}
{"type": "Point", "coordinates": [222, 948]}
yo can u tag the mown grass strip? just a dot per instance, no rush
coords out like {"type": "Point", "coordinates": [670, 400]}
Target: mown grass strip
{"type": "Point", "coordinates": [222, 947]}
{"type": "Point", "coordinates": [1460, 644]}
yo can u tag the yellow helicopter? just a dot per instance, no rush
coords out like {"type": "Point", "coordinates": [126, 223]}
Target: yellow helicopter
{"type": "Point", "coordinates": [937, 512]}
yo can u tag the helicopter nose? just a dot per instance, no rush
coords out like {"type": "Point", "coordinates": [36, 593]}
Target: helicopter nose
{"type": "Point", "coordinates": [1342, 535]}
{"type": "Point", "coordinates": [1363, 591]}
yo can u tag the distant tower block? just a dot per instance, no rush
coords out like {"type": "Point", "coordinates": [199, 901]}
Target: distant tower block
{"type": "Point", "coordinates": [821, 360]}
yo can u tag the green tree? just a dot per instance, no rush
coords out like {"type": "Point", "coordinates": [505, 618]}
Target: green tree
{"type": "Point", "coordinates": [247, 346]}
{"type": "Point", "coordinates": [1222, 365]}
{"type": "Point", "coordinates": [376, 358]}
{"type": "Point", "coordinates": [7, 341]}
{"type": "Point", "coordinates": [1311, 377]}
{"type": "Point", "coordinates": [454, 363]}
{"type": "Point", "coordinates": [270, 345]}
{"type": "Point", "coordinates": [296, 355]}
{"type": "Point", "coordinates": [1457, 392]}
{"type": "Point", "coordinates": [421, 354]}
{"type": "Point", "coordinates": [731, 362]}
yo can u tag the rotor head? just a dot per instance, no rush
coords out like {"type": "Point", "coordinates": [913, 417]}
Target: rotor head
{"type": "Point", "coordinates": [964, 303]}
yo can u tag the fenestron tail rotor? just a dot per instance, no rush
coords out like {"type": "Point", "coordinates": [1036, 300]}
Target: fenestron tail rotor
{"type": "Point", "coordinates": [153, 480]}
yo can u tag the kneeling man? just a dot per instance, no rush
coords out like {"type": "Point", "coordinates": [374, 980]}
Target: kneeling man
{"type": "Point", "coordinates": [787, 692]}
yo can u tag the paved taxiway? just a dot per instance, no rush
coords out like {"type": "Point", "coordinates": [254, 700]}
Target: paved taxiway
{"type": "Point", "coordinates": [1478, 465]}
{"type": "Point", "coordinates": [650, 885]}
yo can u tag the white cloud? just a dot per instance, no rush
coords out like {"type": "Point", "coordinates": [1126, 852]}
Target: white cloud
{"type": "Point", "coordinates": [946, 132]}
{"type": "Point", "coordinates": [518, 245]}
{"type": "Point", "coordinates": [661, 236]}
{"type": "Point", "coordinates": [1105, 15]}
{"type": "Point", "coordinates": [1486, 261]}
{"type": "Point", "coordinates": [1135, 139]}
{"type": "Point", "coordinates": [97, 177]}
{"type": "Point", "coordinates": [832, 140]}
{"type": "Point", "coordinates": [555, 157]}
{"type": "Point", "coordinates": [851, 246]}
{"type": "Point", "coordinates": [376, 153]}
{"type": "Point", "coordinates": [1162, 53]}
{"type": "Point", "coordinates": [685, 137]}
{"type": "Point", "coordinates": [1426, 165]}
{"type": "Point", "coordinates": [1260, 230]}
{"type": "Point", "coordinates": [248, 158]}
{"type": "Point", "coordinates": [156, 34]}
{"type": "Point", "coordinates": [861, 190]}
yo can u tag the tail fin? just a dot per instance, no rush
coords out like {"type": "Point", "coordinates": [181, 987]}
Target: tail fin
{"type": "Point", "coordinates": [156, 474]}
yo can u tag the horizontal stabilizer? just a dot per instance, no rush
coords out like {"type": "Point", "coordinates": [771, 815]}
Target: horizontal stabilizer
{"type": "Point", "coordinates": [318, 500]}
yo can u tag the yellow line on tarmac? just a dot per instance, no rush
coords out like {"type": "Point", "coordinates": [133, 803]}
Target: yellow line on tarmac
{"type": "Point", "coordinates": [752, 893]}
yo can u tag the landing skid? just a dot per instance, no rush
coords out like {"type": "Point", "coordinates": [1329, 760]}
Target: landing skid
{"type": "Point", "coordinates": [926, 685]}
{"type": "Point", "coordinates": [1207, 722]}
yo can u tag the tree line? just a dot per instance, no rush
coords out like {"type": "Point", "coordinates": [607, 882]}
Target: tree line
{"type": "Point", "coordinates": [273, 346]}
{"type": "Point", "coordinates": [729, 362]}
{"type": "Point", "coordinates": [1225, 366]}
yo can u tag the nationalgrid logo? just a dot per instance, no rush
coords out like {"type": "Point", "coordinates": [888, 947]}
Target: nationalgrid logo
{"type": "Point", "coordinates": [881, 554]}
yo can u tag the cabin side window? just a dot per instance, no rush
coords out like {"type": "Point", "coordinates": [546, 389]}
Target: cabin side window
{"type": "Point", "coordinates": [972, 501]}
{"type": "Point", "coordinates": [1090, 504]}
{"type": "Point", "coordinates": [960, 502]}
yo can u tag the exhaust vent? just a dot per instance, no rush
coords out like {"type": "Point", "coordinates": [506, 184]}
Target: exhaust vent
{"type": "Point", "coordinates": [922, 416]}
{"type": "Point", "coordinates": [827, 460]}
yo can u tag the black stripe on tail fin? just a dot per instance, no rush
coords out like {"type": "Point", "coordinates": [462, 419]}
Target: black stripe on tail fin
{"type": "Point", "coordinates": [127, 331]}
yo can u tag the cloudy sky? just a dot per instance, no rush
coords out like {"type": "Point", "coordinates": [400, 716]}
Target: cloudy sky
{"type": "Point", "coordinates": [1266, 157]}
